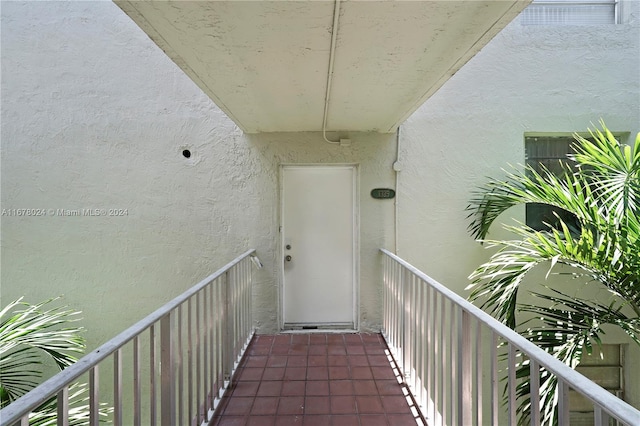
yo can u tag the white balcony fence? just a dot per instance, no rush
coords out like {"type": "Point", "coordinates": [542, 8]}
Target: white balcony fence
{"type": "Point", "coordinates": [448, 352]}
{"type": "Point", "coordinates": [177, 361]}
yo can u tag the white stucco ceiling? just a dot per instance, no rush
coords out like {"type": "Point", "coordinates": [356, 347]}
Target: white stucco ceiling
{"type": "Point", "coordinates": [265, 63]}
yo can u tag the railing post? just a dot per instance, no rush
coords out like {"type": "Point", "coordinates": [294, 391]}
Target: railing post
{"type": "Point", "coordinates": [600, 417]}
{"type": "Point", "coordinates": [563, 403]}
{"type": "Point", "coordinates": [167, 371]}
{"type": "Point", "coordinates": [494, 379]}
{"type": "Point", "coordinates": [63, 407]}
{"type": "Point", "coordinates": [94, 400]}
{"type": "Point", "coordinates": [534, 391]}
{"type": "Point", "coordinates": [403, 321]}
{"type": "Point", "coordinates": [137, 384]}
{"type": "Point", "coordinates": [227, 347]}
{"type": "Point", "coordinates": [479, 401]}
{"type": "Point", "coordinates": [117, 387]}
{"type": "Point", "coordinates": [465, 401]}
{"type": "Point", "coordinates": [511, 383]}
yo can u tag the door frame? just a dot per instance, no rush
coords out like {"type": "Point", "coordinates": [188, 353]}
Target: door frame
{"type": "Point", "coordinates": [356, 240]}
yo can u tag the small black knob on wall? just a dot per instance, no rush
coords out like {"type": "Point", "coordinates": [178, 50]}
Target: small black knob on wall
{"type": "Point", "coordinates": [287, 258]}
{"type": "Point", "coordinates": [288, 246]}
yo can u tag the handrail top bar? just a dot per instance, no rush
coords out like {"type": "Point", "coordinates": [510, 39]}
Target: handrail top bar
{"type": "Point", "coordinates": [608, 402]}
{"type": "Point", "coordinates": [14, 411]}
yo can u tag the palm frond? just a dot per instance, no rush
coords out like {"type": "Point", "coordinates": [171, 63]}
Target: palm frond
{"type": "Point", "coordinates": [27, 332]}
{"type": "Point", "coordinates": [603, 195]}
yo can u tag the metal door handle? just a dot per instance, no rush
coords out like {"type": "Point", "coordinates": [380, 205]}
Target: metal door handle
{"type": "Point", "coordinates": [287, 258]}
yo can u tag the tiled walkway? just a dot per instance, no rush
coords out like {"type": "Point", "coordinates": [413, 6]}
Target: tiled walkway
{"type": "Point", "coordinates": [316, 379]}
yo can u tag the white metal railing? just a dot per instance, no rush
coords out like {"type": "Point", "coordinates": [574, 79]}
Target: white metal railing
{"type": "Point", "coordinates": [441, 343]}
{"type": "Point", "coordinates": [180, 359]}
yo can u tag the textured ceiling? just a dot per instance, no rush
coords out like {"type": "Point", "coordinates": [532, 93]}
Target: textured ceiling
{"type": "Point", "coordinates": [265, 63]}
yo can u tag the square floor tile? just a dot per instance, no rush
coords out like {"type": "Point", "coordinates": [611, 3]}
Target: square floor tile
{"type": "Point", "coordinates": [280, 349]}
{"type": "Point", "coordinates": [245, 388]}
{"type": "Point", "coordinates": [341, 387]}
{"type": "Point", "coordinates": [270, 388]}
{"type": "Point", "coordinates": [369, 404]}
{"type": "Point", "coordinates": [317, 350]}
{"type": "Point", "coordinates": [264, 405]}
{"type": "Point", "coordinates": [317, 388]}
{"type": "Point", "coordinates": [371, 339]}
{"type": "Point", "coordinates": [337, 360]}
{"type": "Point", "coordinates": [339, 373]}
{"type": "Point", "coordinates": [353, 339]}
{"type": "Point", "coordinates": [378, 360]}
{"type": "Point", "coordinates": [317, 373]}
{"type": "Point", "coordinates": [277, 361]}
{"type": "Point", "coordinates": [316, 405]}
{"type": "Point", "coordinates": [402, 420]}
{"type": "Point", "coordinates": [295, 373]}
{"type": "Point", "coordinates": [256, 361]}
{"type": "Point", "coordinates": [263, 340]}
{"type": "Point", "coordinates": [299, 350]}
{"type": "Point", "coordinates": [317, 360]}
{"type": "Point", "coordinates": [250, 374]}
{"type": "Point", "coordinates": [289, 420]}
{"type": "Point", "coordinates": [320, 420]}
{"type": "Point", "coordinates": [375, 350]}
{"type": "Point", "coordinates": [358, 360]}
{"type": "Point", "coordinates": [335, 339]}
{"type": "Point", "coordinates": [336, 350]}
{"type": "Point", "coordinates": [238, 406]}
{"type": "Point", "coordinates": [389, 387]}
{"type": "Point", "coordinates": [300, 339]}
{"type": "Point", "coordinates": [345, 420]}
{"type": "Point", "coordinates": [273, 373]}
{"type": "Point", "coordinates": [291, 405]}
{"type": "Point", "coordinates": [318, 339]}
{"type": "Point", "coordinates": [261, 420]}
{"type": "Point", "coordinates": [293, 388]}
{"type": "Point", "coordinates": [361, 373]}
{"type": "Point", "coordinates": [282, 339]}
{"type": "Point", "coordinates": [297, 361]}
{"type": "Point", "coordinates": [355, 350]}
{"type": "Point", "coordinates": [343, 405]}
{"type": "Point", "coordinates": [365, 387]}
{"type": "Point", "coordinates": [394, 404]}
{"type": "Point", "coordinates": [374, 420]}
{"type": "Point", "coordinates": [231, 421]}
{"type": "Point", "coordinates": [383, 373]}
{"type": "Point", "coordinates": [259, 350]}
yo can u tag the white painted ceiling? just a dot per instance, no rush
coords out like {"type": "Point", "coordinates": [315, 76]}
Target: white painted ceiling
{"type": "Point", "coordinates": [266, 63]}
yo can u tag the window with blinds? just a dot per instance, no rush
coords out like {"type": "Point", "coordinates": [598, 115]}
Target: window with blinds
{"type": "Point", "coordinates": [570, 12]}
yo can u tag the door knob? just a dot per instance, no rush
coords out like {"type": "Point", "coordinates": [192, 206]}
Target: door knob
{"type": "Point", "coordinates": [287, 258]}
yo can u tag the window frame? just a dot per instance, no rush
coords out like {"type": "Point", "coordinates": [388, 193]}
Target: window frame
{"type": "Point", "coordinates": [534, 15]}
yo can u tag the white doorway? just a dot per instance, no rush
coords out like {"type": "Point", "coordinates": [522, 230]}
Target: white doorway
{"type": "Point", "coordinates": [319, 230]}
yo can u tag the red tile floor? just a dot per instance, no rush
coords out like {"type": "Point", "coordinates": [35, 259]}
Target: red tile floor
{"type": "Point", "coordinates": [316, 379]}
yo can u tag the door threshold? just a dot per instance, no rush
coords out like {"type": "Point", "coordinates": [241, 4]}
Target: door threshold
{"type": "Point", "coordinates": [318, 328]}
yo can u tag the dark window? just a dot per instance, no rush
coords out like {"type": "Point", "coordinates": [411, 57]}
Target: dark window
{"type": "Point", "coordinates": [548, 152]}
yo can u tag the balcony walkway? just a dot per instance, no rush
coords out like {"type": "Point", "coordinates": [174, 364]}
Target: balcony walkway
{"type": "Point", "coordinates": [316, 379]}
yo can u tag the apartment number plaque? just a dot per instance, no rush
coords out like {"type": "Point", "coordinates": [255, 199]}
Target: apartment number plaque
{"type": "Point", "coordinates": [383, 193]}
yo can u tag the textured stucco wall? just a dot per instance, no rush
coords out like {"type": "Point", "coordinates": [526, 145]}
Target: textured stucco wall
{"type": "Point", "coordinates": [528, 79]}
{"type": "Point", "coordinates": [95, 116]}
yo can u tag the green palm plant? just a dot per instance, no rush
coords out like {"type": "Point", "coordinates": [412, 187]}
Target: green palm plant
{"type": "Point", "coordinates": [30, 335]}
{"type": "Point", "coordinates": [601, 246]}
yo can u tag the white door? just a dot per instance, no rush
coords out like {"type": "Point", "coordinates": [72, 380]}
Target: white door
{"type": "Point", "coordinates": [318, 245]}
